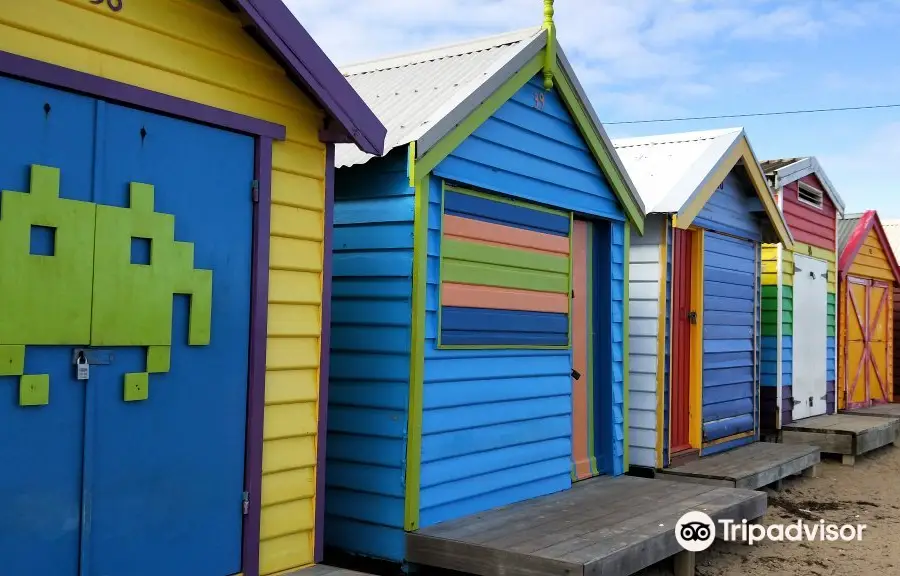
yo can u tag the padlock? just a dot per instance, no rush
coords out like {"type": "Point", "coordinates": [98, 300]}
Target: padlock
{"type": "Point", "coordinates": [82, 368]}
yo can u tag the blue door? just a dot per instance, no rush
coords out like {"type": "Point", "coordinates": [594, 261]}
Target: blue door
{"type": "Point", "coordinates": [40, 447]}
{"type": "Point", "coordinates": [730, 329]}
{"type": "Point", "coordinates": [153, 485]}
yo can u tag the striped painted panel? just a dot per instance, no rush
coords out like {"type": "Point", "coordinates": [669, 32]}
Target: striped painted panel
{"type": "Point", "coordinates": [505, 273]}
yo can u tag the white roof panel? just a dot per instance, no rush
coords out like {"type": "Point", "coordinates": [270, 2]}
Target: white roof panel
{"type": "Point", "coordinates": [667, 169]}
{"type": "Point", "coordinates": [410, 93]}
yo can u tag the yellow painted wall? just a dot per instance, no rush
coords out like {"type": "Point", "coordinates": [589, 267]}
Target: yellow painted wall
{"type": "Point", "coordinates": [871, 260]}
{"type": "Point", "coordinates": [196, 50]}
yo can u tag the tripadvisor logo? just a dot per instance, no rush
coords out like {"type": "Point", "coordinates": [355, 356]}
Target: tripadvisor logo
{"type": "Point", "coordinates": [695, 531]}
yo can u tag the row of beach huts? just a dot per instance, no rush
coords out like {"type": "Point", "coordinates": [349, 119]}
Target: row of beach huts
{"type": "Point", "coordinates": [421, 310]}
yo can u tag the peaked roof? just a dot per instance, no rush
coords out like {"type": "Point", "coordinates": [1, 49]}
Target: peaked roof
{"type": "Point", "coordinates": [273, 25]}
{"type": "Point", "coordinates": [852, 233]}
{"type": "Point", "coordinates": [423, 96]}
{"type": "Point", "coordinates": [678, 173]}
{"type": "Point", "coordinates": [845, 226]}
{"type": "Point", "coordinates": [787, 170]}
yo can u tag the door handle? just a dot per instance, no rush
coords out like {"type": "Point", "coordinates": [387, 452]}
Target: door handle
{"type": "Point", "coordinates": [576, 374]}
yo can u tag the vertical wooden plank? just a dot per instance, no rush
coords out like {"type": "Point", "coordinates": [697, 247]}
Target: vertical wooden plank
{"type": "Point", "coordinates": [580, 463]}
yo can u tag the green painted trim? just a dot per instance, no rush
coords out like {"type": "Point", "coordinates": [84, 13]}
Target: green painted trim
{"type": "Point", "coordinates": [473, 251]}
{"type": "Point", "coordinates": [12, 360]}
{"type": "Point", "coordinates": [497, 197]}
{"type": "Point", "coordinates": [625, 340]}
{"type": "Point", "coordinates": [550, 52]}
{"type": "Point", "coordinates": [479, 116]}
{"type": "Point", "coordinates": [440, 292]}
{"type": "Point", "coordinates": [501, 347]}
{"type": "Point", "coordinates": [770, 291]}
{"type": "Point", "coordinates": [832, 298]}
{"type": "Point", "coordinates": [417, 355]}
{"type": "Point", "coordinates": [492, 275]}
{"type": "Point", "coordinates": [411, 164]}
{"type": "Point", "coordinates": [603, 156]}
{"type": "Point", "coordinates": [34, 390]}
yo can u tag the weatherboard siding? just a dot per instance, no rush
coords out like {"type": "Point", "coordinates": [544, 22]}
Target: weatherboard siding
{"type": "Point", "coordinates": [370, 347]}
{"type": "Point", "coordinates": [732, 209]}
{"type": "Point", "coordinates": [731, 314]}
{"type": "Point", "coordinates": [871, 261]}
{"type": "Point", "coordinates": [769, 364]}
{"type": "Point", "coordinates": [729, 339]}
{"type": "Point", "coordinates": [808, 224]}
{"type": "Point", "coordinates": [534, 152]}
{"type": "Point", "coordinates": [198, 51]}
{"type": "Point", "coordinates": [497, 424]}
{"type": "Point", "coordinates": [645, 274]}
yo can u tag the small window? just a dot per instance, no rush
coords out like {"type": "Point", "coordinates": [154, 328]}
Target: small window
{"type": "Point", "coordinates": [140, 251]}
{"type": "Point", "coordinates": [43, 241]}
{"type": "Point", "coordinates": [810, 195]}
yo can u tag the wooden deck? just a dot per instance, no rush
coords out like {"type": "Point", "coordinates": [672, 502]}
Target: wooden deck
{"type": "Point", "coordinates": [846, 434]}
{"type": "Point", "coordinates": [600, 526]}
{"type": "Point", "coordinates": [751, 467]}
{"type": "Point", "coordinates": [881, 410]}
{"type": "Point", "coordinates": [323, 570]}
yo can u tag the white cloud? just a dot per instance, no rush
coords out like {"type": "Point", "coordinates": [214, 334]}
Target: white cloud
{"type": "Point", "coordinates": [646, 57]}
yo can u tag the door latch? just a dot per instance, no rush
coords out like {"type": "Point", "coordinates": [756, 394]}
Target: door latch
{"type": "Point", "coordinates": [812, 275]}
{"type": "Point", "coordinates": [576, 374]}
{"type": "Point", "coordinates": [810, 401]}
{"type": "Point", "coordinates": [692, 317]}
{"type": "Point", "coordinates": [245, 503]}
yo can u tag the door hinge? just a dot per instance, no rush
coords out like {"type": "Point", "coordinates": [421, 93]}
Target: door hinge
{"type": "Point", "coordinates": [254, 190]}
{"type": "Point", "coordinates": [796, 402]}
{"type": "Point", "coordinates": [245, 502]}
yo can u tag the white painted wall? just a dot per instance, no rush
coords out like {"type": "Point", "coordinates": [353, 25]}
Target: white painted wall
{"type": "Point", "coordinates": [643, 292]}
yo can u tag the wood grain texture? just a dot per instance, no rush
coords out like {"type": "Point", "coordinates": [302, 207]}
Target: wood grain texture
{"type": "Point", "coordinates": [752, 466]}
{"type": "Point", "coordinates": [472, 296]}
{"type": "Point", "coordinates": [600, 526]}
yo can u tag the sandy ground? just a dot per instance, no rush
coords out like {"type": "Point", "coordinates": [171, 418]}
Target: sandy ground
{"type": "Point", "coordinates": [867, 493]}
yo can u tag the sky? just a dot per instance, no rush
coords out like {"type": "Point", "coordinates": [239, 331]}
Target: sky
{"type": "Point", "coordinates": [652, 59]}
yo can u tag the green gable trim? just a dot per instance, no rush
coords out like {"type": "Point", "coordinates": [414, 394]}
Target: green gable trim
{"type": "Point", "coordinates": [602, 154]}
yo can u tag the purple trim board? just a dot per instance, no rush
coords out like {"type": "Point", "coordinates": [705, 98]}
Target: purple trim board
{"type": "Point", "coordinates": [325, 356]}
{"type": "Point", "coordinates": [112, 91]}
{"type": "Point", "coordinates": [256, 394]}
{"type": "Point", "coordinates": [55, 76]}
{"type": "Point", "coordinates": [289, 42]}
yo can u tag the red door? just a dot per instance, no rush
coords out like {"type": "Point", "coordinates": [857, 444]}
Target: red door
{"type": "Point", "coordinates": [682, 318]}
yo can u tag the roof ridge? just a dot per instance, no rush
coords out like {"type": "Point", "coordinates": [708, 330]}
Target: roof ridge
{"type": "Point", "coordinates": [439, 52]}
{"type": "Point", "coordinates": [674, 137]}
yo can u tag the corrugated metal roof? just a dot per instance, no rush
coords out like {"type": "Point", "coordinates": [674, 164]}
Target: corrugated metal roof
{"type": "Point", "coordinates": [846, 225]}
{"type": "Point", "coordinates": [666, 169]}
{"type": "Point", "coordinates": [410, 92]}
{"type": "Point", "coordinates": [770, 166]}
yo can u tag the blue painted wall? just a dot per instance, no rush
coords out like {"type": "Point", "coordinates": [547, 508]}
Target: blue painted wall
{"type": "Point", "coordinates": [730, 315]}
{"type": "Point", "coordinates": [497, 424]}
{"type": "Point", "coordinates": [370, 345]}
{"type": "Point", "coordinates": [733, 209]}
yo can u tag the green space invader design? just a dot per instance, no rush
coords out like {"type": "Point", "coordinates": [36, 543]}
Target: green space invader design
{"type": "Point", "coordinates": [88, 292]}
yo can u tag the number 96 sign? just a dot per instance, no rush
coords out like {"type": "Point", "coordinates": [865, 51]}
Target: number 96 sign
{"type": "Point", "coordinates": [114, 5]}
